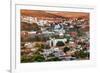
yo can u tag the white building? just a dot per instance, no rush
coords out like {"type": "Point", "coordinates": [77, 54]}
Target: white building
{"type": "Point", "coordinates": [28, 19]}
{"type": "Point", "coordinates": [54, 41]}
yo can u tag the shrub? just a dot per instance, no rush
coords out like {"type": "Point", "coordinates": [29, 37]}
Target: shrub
{"type": "Point", "coordinates": [81, 54]}
{"type": "Point", "coordinates": [25, 59]}
{"type": "Point", "coordinates": [38, 58]}
{"type": "Point", "coordinates": [66, 49]}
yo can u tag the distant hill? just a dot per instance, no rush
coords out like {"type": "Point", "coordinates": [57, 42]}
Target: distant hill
{"type": "Point", "coordinates": [72, 14]}
{"type": "Point", "coordinates": [39, 13]}
{"type": "Point", "coordinates": [53, 14]}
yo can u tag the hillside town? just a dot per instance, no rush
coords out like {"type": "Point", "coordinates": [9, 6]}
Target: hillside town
{"type": "Point", "coordinates": [54, 36]}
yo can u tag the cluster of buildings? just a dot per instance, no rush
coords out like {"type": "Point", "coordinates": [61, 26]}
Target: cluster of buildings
{"type": "Point", "coordinates": [61, 38]}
